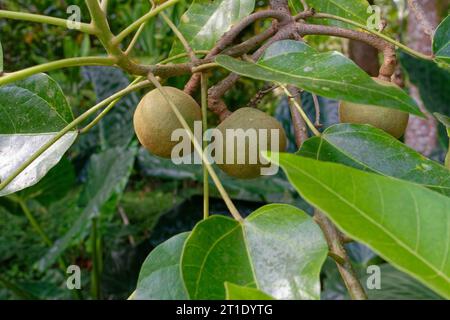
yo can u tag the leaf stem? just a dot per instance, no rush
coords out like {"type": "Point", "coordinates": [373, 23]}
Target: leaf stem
{"type": "Point", "coordinates": [64, 63]}
{"type": "Point", "coordinates": [180, 37]}
{"type": "Point", "coordinates": [135, 25]}
{"type": "Point", "coordinates": [24, 16]}
{"type": "Point", "coordinates": [70, 127]}
{"type": "Point", "coordinates": [379, 34]}
{"type": "Point", "coordinates": [302, 113]}
{"type": "Point", "coordinates": [204, 90]}
{"type": "Point", "coordinates": [198, 148]}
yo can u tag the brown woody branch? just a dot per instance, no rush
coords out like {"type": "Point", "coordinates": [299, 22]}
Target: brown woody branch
{"type": "Point", "coordinates": [388, 50]}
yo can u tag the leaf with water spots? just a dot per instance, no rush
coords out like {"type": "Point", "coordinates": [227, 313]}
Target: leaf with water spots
{"type": "Point", "coordinates": [278, 250]}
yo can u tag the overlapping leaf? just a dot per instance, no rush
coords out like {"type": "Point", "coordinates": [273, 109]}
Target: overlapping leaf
{"type": "Point", "coordinates": [206, 21]}
{"type": "Point", "coordinates": [406, 224]}
{"type": "Point", "coordinates": [160, 276]}
{"type": "Point", "coordinates": [278, 249]}
{"type": "Point", "coordinates": [371, 149]}
{"type": "Point", "coordinates": [330, 75]}
{"type": "Point", "coordinates": [32, 112]}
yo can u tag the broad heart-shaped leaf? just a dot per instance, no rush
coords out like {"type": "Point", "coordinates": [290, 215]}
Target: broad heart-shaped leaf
{"type": "Point", "coordinates": [356, 10]}
{"type": "Point", "coordinates": [160, 276]}
{"type": "Point", "coordinates": [32, 111]}
{"type": "Point", "coordinates": [235, 292]}
{"type": "Point", "coordinates": [278, 249]}
{"type": "Point", "coordinates": [107, 176]}
{"type": "Point", "coordinates": [406, 224]}
{"type": "Point", "coordinates": [441, 42]}
{"type": "Point", "coordinates": [330, 75]}
{"type": "Point", "coordinates": [367, 148]}
{"type": "Point", "coordinates": [206, 21]}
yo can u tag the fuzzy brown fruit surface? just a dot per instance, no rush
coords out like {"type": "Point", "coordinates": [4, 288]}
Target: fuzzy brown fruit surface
{"type": "Point", "coordinates": [242, 120]}
{"type": "Point", "coordinates": [392, 121]}
{"type": "Point", "coordinates": [154, 120]}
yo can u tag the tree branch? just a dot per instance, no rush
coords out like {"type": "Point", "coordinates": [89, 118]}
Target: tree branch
{"type": "Point", "coordinates": [388, 50]}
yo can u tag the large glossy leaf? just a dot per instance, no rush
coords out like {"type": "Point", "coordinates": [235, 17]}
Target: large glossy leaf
{"type": "Point", "coordinates": [396, 285]}
{"type": "Point", "coordinates": [160, 276]}
{"type": "Point", "coordinates": [108, 174]}
{"type": "Point", "coordinates": [235, 292]}
{"type": "Point", "coordinates": [278, 249]}
{"type": "Point", "coordinates": [330, 75]}
{"type": "Point", "coordinates": [355, 10]}
{"type": "Point", "coordinates": [406, 224]}
{"type": "Point", "coordinates": [441, 41]}
{"type": "Point", "coordinates": [32, 112]}
{"type": "Point", "coordinates": [371, 149]}
{"type": "Point", "coordinates": [206, 21]}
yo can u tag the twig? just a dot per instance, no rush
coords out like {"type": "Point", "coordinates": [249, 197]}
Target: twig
{"type": "Point", "coordinates": [338, 253]}
{"type": "Point", "coordinates": [229, 37]}
{"type": "Point", "coordinates": [84, 27]}
{"type": "Point", "coordinates": [388, 50]}
{"type": "Point", "coordinates": [70, 127]}
{"type": "Point", "coordinates": [204, 90]}
{"type": "Point", "coordinates": [420, 15]}
{"type": "Point", "coordinates": [257, 98]}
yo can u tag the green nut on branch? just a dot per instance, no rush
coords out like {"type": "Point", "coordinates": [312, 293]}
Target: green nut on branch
{"type": "Point", "coordinates": [247, 126]}
{"type": "Point", "coordinates": [155, 121]}
{"type": "Point", "coordinates": [391, 121]}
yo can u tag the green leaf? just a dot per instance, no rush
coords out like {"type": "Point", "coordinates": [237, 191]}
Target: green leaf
{"type": "Point", "coordinates": [32, 111]}
{"type": "Point", "coordinates": [370, 149]}
{"type": "Point", "coordinates": [356, 10]}
{"type": "Point", "coordinates": [278, 249]}
{"type": "Point", "coordinates": [107, 176]}
{"type": "Point", "coordinates": [160, 276]}
{"type": "Point", "coordinates": [406, 224]}
{"type": "Point", "coordinates": [206, 21]}
{"type": "Point", "coordinates": [330, 75]}
{"type": "Point", "coordinates": [396, 285]}
{"type": "Point", "coordinates": [441, 41]}
{"type": "Point", "coordinates": [235, 292]}
{"type": "Point", "coordinates": [444, 120]}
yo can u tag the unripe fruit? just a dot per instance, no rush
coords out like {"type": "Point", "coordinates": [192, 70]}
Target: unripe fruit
{"type": "Point", "coordinates": [392, 121]}
{"type": "Point", "coordinates": [249, 118]}
{"type": "Point", "coordinates": [154, 120]}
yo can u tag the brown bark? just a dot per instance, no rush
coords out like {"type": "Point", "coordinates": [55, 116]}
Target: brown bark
{"type": "Point", "coordinates": [421, 134]}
